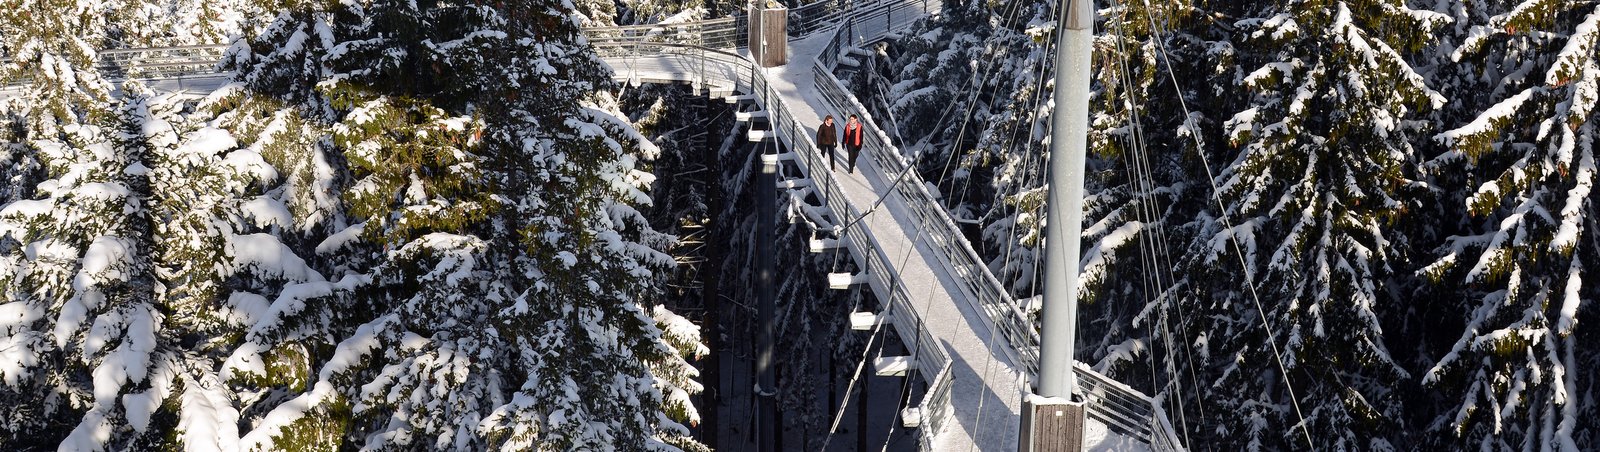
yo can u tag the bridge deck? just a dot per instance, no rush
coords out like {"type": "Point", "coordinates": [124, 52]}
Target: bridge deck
{"type": "Point", "coordinates": [983, 375]}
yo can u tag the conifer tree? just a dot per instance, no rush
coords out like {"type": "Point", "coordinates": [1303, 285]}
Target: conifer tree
{"type": "Point", "coordinates": [501, 306]}
{"type": "Point", "coordinates": [438, 179]}
{"type": "Point", "coordinates": [19, 168]}
{"type": "Point", "coordinates": [283, 62]}
{"type": "Point", "coordinates": [219, 258]}
{"type": "Point", "coordinates": [1313, 196]}
{"type": "Point", "coordinates": [96, 326]}
{"type": "Point", "coordinates": [119, 321]}
{"type": "Point", "coordinates": [1519, 160]}
{"type": "Point", "coordinates": [169, 23]}
{"type": "Point", "coordinates": [68, 261]}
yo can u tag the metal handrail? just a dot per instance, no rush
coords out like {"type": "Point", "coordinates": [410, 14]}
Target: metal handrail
{"type": "Point", "coordinates": [713, 33]}
{"type": "Point", "coordinates": [162, 49]}
{"type": "Point", "coordinates": [814, 17]}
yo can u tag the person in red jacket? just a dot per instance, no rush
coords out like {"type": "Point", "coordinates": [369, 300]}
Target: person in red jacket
{"type": "Point", "coordinates": [828, 139]}
{"type": "Point", "coordinates": [853, 139]}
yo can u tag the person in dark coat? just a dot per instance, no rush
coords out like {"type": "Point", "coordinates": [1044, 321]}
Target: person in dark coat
{"type": "Point", "coordinates": [853, 139]}
{"type": "Point", "coordinates": [828, 139]}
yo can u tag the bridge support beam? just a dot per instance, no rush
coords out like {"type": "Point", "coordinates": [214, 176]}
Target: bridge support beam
{"type": "Point", "coordinates": [819, 245]}
{"type": "Point", "coordinates": [843, 281]}
{"type": "Point", "coordinates": [766, 292]}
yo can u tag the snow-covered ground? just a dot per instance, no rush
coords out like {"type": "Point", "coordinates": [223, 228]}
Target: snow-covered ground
{"type": "Point", "coordinates": [1098, 438]}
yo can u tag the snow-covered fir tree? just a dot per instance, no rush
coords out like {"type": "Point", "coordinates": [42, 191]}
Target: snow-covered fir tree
{"type": "Point", "coordinates": [169, 23]}
{"type": "Point", "coordinates": [1312, 199]}
{"type": "Point", "coordinates": [1166, 66]}
{"type": "Point", "coordinates": [404, 226]}
{"type": "Point", "coordinates": [502, 305]}
{"type": "Point", "coordinates": [79, 317]}
{"type": "Point", "coordinates": [19, 169]}
{"type": "Point", "coordinates": [169, 233]}
{"type": "Point", "coordinates": [1519, 161]}
{"type": "Point", "coordinates": [223, 250]}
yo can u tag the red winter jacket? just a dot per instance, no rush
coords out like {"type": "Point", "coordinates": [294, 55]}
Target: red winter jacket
{"type": "Point", "coordinates": [852, 134]}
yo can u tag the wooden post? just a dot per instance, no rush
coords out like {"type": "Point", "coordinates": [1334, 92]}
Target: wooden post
{"type": "Point", "coordinates": [1051, 424]}
{"type": "Point", "coordinates": [753, 25]}
{"type": "Point", "coordinates": [775, 26]}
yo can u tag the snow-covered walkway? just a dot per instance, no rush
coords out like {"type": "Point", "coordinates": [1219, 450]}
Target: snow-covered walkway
{"type": "Point", "coordinates": [985, 396]}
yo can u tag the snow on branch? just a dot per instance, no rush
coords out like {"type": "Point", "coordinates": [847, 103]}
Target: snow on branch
{"type": "Point", "coordinates": [1579, 53]}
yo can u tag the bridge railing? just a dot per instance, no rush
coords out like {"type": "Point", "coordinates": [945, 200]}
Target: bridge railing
{"type": "Point", "coordinates": [151, 62]}
{"type": "Point", "coordinates": [1117, 405]}
{"type": "Point", "coordinates": [1126, 410]}
{"type": "Point", "coordinates": [818, 16]}
{"type": "Point", "coordinates": [823, 15]}
{"type": "Point", "coordinates": [161, 61]}
{"type": "Point", "coordinates": [984, 288]}
{"type": "Point", "coordinates": [976, 277]}
{"type": "Point", "coordinates": [730, 32]}
{"type": "Point", "coordinates": [713, 33]}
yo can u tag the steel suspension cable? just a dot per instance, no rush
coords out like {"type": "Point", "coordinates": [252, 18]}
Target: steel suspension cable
{"type": "Point", "coordinates": [1166, 262]}
{"type": "Point", "coordinates": [1154, 252]}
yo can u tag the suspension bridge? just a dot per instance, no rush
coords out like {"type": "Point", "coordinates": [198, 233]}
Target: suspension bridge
{"type": "Point", "coordinates": [967, 339]}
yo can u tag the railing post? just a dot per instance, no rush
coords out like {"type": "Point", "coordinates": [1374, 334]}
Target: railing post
{"type": "Point", "coordinates": [851, 27]}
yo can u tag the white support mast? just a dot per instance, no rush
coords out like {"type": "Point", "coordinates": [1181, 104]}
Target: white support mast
{"type": "Point", "coordinates": [1053, 416]}
{"type": "Point", "coordinates": [1068, 145]}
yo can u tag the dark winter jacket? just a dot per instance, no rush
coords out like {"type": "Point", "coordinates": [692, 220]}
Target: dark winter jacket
{"type": "Point", "coordinates": [827, 136]}
{"type": "Point", "coordinates": [852, 134]}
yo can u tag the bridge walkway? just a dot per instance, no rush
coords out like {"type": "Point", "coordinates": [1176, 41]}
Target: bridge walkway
{"type": "Point", "coordinates": [984, 393]}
